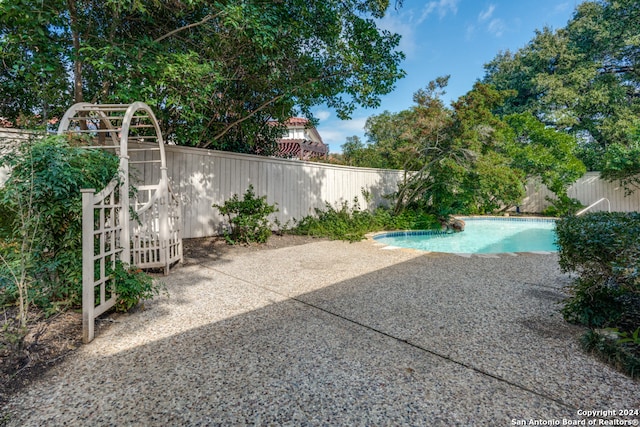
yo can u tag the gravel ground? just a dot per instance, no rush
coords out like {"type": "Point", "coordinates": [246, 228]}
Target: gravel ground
{"type": "Point", "coordinates": [332, 333]}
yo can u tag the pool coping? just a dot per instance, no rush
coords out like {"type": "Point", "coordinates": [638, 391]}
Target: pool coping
{"type": "Point", "coordinates": [371, 237]}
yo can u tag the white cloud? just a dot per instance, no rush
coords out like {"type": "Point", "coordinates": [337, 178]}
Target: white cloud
{"type": "Point", "coordinates": [322, 115]}
{"type": "Point", "coordinates": [496, 27]}
{"type": "Point", "coordinates": [442, 7]}
{"type": "Point", "coordinates": [401, 24]}
{"type": "Point", "coordinates": [336, 132]}
{"type": "Point", "coordinates": [355, 124]}
{"type": "Point", "coordinates": [486, 14]}
{"type": "Point", "coordinates": [470, 30]}
{"type": "Point", "coordinates": [405, 23]}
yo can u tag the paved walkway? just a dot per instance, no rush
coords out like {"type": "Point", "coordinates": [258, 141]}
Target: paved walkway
{"type": "Point", "coordinates": [332, 333]}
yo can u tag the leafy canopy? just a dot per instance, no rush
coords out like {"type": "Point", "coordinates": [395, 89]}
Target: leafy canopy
{"type": "Point", "coordinates": [215, 72]}
{"type": "Point", "coordinates": [583, 79]}
{"type": "Point", "coordinates": [466, 159]}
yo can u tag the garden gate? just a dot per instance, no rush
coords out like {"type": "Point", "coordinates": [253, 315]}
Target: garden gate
{"type": "Point", "coordinates": [140, 226]}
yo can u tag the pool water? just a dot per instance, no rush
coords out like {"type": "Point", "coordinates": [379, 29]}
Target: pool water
{"type": "Point", "coordinates": [482, 236]}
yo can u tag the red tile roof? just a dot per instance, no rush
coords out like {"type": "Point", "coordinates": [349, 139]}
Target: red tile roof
{"type": "Point", "coordinates": [296, 121]}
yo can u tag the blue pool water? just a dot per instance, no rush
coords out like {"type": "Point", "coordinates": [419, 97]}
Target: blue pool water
{"type": "Point", "coordinates": [482, 236]}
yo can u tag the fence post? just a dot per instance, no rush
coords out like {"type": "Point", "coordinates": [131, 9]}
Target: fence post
{"type": "Point", "coordinates": [88, 255]}
{"type": "Point", "coordinates": [163, 219]}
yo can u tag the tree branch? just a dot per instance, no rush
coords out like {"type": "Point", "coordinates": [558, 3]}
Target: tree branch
{"type": "Point", "coordinates": [262, 107]}
{"type": "Point", "coordinates": [186, 27]}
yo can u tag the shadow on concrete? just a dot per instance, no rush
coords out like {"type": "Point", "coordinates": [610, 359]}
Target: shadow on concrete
{"type": "Point", "coordinates": [414, 340]}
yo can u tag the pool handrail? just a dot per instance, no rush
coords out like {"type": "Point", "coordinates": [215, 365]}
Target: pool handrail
{"type": "Point", "coordinates": [593, 204]}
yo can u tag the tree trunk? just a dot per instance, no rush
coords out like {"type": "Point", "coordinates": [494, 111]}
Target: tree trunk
{"type": "Point", "coordinates": [77, 63]}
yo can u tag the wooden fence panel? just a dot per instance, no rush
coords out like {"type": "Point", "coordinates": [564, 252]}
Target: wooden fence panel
{"type": "Point", "coordinates": [588, 189]}
{"type": "Point", "coordinates": [203, 177]}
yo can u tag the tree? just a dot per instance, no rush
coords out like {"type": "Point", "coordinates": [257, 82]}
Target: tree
{"type": "Point", "coordinates": [387, 140]}
{"type": "Point", "coordinates": [352, 151]}
{"type": "Point", "coordinates": [215, 72]}
{"type": "Point", "coordinates": [544, 153]}
{"type": "Point", "coordinates": [41, 219]}
{"type": "Point", "coordinates": [452, 157]}
{"type": "Point", "coordinates": [622, 162]}
{"type": "Point", "coordinates": [582, 79]}
{"type": "Point", "coordinates": [466, 159]}
{"type": "Point", "coordinates": [490, 181]}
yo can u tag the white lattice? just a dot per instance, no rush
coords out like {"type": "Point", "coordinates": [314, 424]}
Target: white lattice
{"type": "Point", "coordinates": [144, 231]}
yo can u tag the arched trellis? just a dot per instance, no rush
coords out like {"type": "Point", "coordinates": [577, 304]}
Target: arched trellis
{"type": "Point", "coordinates": [141, 227]}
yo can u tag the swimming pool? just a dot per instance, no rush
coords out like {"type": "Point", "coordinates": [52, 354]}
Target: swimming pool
{"type": "Point", "coordinates": [481, 236]}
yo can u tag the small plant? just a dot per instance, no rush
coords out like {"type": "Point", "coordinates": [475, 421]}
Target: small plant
{"type": "Point", "coordinates": [616, 349]}
{"type": "Point", "coordinates": [627, 337]}
{"type": "Point", "coordinates": [133, 285]}
{"type": "Point", "coordinates": [248, 218]}
{"type": "Point", "coordinates": [351, 224]}
{"type": "Point", "coordinates": [562, 206]}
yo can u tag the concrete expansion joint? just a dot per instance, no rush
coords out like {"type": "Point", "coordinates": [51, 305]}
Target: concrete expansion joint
{"type": "Point", "coordinates": [404, 341]}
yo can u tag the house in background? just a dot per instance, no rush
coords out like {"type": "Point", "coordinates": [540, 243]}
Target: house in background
{"type": "Point", "coordinates": [301, 141]}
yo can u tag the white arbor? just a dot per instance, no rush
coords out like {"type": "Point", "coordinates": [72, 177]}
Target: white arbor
{"type": "Point", "coordinates": [139, 226]}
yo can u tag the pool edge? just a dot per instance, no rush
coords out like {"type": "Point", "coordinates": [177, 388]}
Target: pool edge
{"type": "Point", "coordinates": [371, 239]}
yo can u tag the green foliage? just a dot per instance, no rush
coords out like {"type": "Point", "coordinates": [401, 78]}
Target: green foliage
{"type": "Point", "coordinates": [216, 73]}
{"type": "Point", "coordinates": [628, 337]}
{"type": "Point", "coordinates": [132, 285]}
{"type": "Point", "coordinates": [622, 354]}
{"type": "Point", "coordinates": [562, 206]}
{"type": "Point", "coordinates": [41, 207]}
{"type": "Point", "coordinates": [351, 223]}
{"type": "Point", "coordinates": [248, 218]}
{"type": "Point", "coordinates": [581, 79]}
{"type": "Point", "coordinates": [603, 250]}
{"type": "Point", "coordinates": [543, 152]}
{"type": "Point", "coordinates": [467, 159]}
{"type": "Point", "coordinates": [622, 162]}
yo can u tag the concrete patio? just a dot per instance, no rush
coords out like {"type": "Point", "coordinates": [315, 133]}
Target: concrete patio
{"type": "Point", "coordinates": [332, 333]}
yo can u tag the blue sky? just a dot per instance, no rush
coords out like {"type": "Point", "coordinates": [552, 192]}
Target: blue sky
{"type": "Point", "coordinates": [454, 37]}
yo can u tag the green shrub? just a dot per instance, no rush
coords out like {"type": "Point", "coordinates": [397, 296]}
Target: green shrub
{"type": "Point", "coordinates": [350, 223]}
{"type": "Point", "coordinates": [41, 210]}
{"type": "Point", "coordinates": [603, 250]}
{"type": "Point", "coordinates": [132, 285]}
{"type": "Point", "coordinates": [248, 218]}
{"type": "Point", "coordinates": [619, 353]}
{"type": "Point", "coordinates": [562, 206]}
{"type": "Point", "coordinates": [342, 223]}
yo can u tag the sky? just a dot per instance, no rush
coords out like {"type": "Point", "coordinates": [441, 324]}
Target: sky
{"type": "Point", "coordinates": [448, 37]}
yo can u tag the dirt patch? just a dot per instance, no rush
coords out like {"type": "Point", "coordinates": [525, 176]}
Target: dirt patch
{"type": "Point", "coordinates": [212, 248]}
{"type": "Point", "coordinates": [49, 340]}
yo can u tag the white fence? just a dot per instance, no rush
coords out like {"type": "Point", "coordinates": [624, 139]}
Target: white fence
{"type": "Point", "coordinates": [204, 177]}
{"type": "Point", "coordinates": [8, 137]}
{"type": "Point", "coordinates": [588, 189]}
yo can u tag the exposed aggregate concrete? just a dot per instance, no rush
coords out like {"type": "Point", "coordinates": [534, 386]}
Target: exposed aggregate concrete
{"type": "Point", "coordinates": [332, 333]}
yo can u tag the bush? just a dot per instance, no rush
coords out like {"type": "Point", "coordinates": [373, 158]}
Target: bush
{"type": "Point", "coordinates": [132, 285]}
{"type": "Point", "coordinates": [248, 218]}
{"type": "Point", "coordinates": [620, 353]}
{"type": "Point", "coordinates": [350, 223]}
{"type": "Point", "coordinates": [41, 211]}
{"type": "Point", "coordinates": [562, 206]}
{"type": "Point", "coordinates": [603, 250]}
